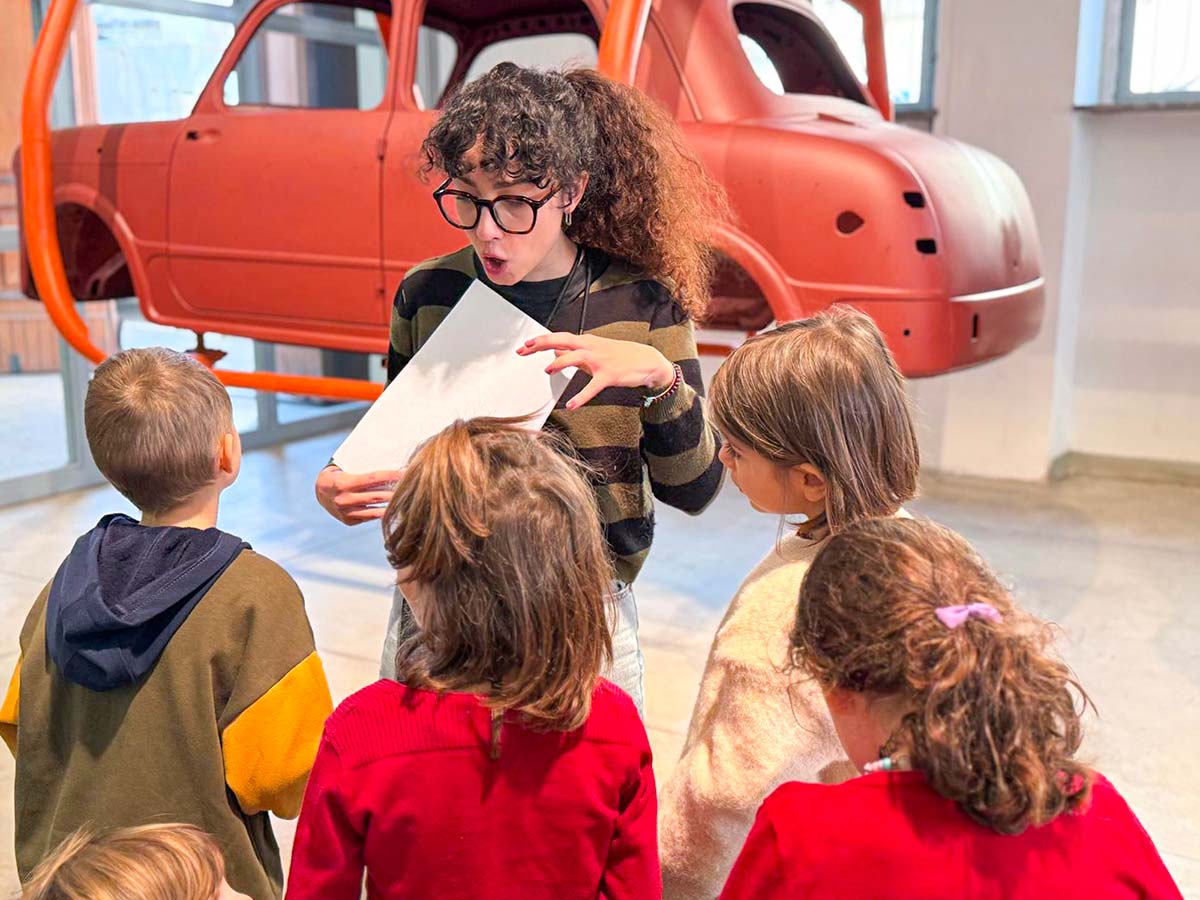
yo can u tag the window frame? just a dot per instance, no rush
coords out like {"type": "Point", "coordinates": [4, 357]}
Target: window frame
{"type": "Point", "coordinates": [1123, 94]}
{"type": "Point", "coordinates": [336, 33]}
{"type": "Point", "coordinates": [929, 55]}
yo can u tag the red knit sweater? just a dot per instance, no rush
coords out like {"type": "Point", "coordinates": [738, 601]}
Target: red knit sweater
{"type": "Point", "coordinates": [891, 835]}
{"type": "Point", "coordinates": [405, 787]}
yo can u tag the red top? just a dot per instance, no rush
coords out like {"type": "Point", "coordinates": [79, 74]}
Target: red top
{"type": "Point", "coordinates": [891, 835]}
{"type": "Point", "coordinates": [405, 786]}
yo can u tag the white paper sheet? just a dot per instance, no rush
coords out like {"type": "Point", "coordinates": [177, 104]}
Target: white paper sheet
{"type": "Point", "coordinates": [469, 367]}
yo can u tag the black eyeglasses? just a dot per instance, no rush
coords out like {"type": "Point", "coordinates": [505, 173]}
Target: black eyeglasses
{"type": "Point", "coordinates": [511, 212]}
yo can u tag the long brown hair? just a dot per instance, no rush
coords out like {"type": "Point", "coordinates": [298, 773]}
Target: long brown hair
{"type": "Point", "coordinates": [995, 718]}
{"type": "Point", "coordinates": [502, 531]}
{"type": "Point", "coordinates": [648, 200]}
{"type": "Point", "coordinates": [148, 862]}
{"type": "Point", "coordinates": [827, 392]}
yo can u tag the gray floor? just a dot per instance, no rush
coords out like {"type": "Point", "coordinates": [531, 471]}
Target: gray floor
{"type": "Point", "coordinates": [1115, 563]}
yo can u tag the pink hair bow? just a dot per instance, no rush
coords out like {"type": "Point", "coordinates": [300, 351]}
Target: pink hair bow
{"type": "Point", "coordinates": [953, 616]}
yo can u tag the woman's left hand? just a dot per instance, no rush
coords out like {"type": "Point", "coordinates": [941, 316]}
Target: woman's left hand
{"type": "Point", "coordinates": [610, 363]}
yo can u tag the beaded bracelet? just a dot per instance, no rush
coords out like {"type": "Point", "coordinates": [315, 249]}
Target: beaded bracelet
{"type": "Point", "coordinates": [650, 401]}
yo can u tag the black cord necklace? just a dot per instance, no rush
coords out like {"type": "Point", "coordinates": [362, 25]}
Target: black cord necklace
{"type": "Point", "coordinates": [580, 256]}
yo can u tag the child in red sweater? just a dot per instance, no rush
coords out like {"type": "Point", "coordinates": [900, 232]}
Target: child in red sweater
{"type": "Point", "coordinates": [499, 764]}
{"type": "Point", "coordinates": [944, 693]}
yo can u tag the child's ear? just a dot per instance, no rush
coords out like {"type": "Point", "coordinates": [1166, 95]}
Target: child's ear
{"type": "Point", "coordinates": [227, 456]}
{"type": "Point", "coordinates": [811, 482]}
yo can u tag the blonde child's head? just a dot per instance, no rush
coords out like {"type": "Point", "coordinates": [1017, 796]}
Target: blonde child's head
{"type": "Point", "coordinates": [496, 540]}
{"type": "Point", "coordinates": [160, 428]}
{"type": "Point", "coordinates": [150, 862]}
{"type": "Point", "coordinates": [926, 661]}
{"type": "Point", "coordinates": [815, 420]}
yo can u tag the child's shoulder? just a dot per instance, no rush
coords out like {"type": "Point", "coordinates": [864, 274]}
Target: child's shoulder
{"type": "Point", "coordinates": [614, 718]}
{"type": "Point", "coordinates": [845, 806]}
{"type": "Point", "coordinates": [764, 606]}
{"type": "Point", "coordinates": [366, 702]}
{"type": "Point", "coordinates": [259, 579]}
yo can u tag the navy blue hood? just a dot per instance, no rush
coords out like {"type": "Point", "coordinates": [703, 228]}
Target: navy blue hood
{"type": "Point", "coordinates": [123, 592]}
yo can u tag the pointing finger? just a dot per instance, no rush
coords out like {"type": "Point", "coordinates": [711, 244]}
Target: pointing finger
{"type": "Point", "coordinates": [590, 390]}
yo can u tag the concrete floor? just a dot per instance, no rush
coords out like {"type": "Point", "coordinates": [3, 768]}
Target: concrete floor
{"type": "Point", "coordinates": [1115, 563]}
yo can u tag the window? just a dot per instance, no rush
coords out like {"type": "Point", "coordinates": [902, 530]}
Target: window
{"type": "Point", "coordinates": [1160, 51]}
{"type": "Point", "coordinates": [151, 66]}
{"type": "Point", "coordinates": [540, 50]}
{"type": "Point", "coordinates": [312, 56]}
{"type": "Point", "coordinates": [761, 63]}
{"type": "Point", "coordinates": [791, 53]}
{"type": "Point", "coordinates": [909, 38]}
{"type": "Point", "coordinates": [437, 52]}
{"type": "Point", "coordinates": [460, 40]}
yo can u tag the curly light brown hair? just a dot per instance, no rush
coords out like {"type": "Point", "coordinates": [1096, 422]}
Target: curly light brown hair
{"type": "Point", "coordinates": [502, 531]}
{"type": "Point", "coordinates": [995, 720]}
{"type": "Point", "coordinates": [648, 201]}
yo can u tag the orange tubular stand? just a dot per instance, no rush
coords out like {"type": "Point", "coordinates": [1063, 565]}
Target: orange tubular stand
{"type": "Point", "coordinates": [877, 79]}
{"type": "Point", "coordinates": [621, 41]}
{"type": "Point", "coordinates": [41, 228]}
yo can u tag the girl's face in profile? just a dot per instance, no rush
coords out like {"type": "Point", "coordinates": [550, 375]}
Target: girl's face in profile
{"type": "Point", "coordinates": [543, 253]}
{"type": "Point", "coordinates": [772, 488]}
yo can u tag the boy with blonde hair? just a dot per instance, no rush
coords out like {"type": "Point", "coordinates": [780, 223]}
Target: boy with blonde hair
{"type": "Point", "coordinates": [167, 672]}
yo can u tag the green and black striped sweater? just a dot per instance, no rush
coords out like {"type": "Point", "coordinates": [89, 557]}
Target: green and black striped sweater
{"type": "Point", "coordinates": [666, 451]}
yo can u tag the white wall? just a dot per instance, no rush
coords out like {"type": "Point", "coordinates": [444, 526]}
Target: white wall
{"type": "Point", "coordinates": [1136, 386]}
{"type": "Point", "coordinates": [1005, 82]}
{"type": "Point", "coordinates": [1116, 368]}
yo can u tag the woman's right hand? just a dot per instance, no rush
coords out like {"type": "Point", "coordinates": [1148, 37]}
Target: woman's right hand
{"type": "Point", "coordinates": [353, 499]}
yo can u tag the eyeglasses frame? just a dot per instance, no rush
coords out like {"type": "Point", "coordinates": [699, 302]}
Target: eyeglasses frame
{"type": "Point", "coordinates": [480, 204]}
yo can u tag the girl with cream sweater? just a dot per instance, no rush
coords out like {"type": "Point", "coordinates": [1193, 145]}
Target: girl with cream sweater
{"type": "Point", "coordinates": [817, 428]}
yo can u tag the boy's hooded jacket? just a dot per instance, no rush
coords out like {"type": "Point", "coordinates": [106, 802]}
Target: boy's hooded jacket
{"type": "Point", "coordinates": [166, 674]}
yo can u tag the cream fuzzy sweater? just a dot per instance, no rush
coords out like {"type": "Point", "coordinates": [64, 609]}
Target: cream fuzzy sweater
{"type": "Point", "coordinates": [754, 727]}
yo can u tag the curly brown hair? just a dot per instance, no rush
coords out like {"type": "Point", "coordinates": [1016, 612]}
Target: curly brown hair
{"type": "Point", "coordinates": [500, 527]}
{"type": "Point", "coordinates": [995, 718]}
{"type": "Point", "coordinates": [648, 201]}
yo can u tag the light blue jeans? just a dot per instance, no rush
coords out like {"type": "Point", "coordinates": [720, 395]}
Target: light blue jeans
{"type": "Point", "coordinates": [628, 665]}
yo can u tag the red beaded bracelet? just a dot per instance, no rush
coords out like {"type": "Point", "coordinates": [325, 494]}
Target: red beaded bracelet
{"type": "Point", "coordinates": [650, 401]}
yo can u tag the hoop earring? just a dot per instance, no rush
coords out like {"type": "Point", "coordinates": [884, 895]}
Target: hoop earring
{"type": "Point", "coordinates": [567, 220]}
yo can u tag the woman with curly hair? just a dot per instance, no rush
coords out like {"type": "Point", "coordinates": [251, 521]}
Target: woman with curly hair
{"type": "Point", "coordinates": [585, 210]}
{"type": "Point", "coordinates": [949, 698]}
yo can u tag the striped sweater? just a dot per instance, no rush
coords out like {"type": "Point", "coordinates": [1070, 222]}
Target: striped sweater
{"type": "Point", "coordinates": [666, 451]}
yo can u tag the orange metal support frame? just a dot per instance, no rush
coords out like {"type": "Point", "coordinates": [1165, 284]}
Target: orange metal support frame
{"type": "Point", "coordinates": [621, 40]}
{"type": "Point", "coordinates": [877, 80]}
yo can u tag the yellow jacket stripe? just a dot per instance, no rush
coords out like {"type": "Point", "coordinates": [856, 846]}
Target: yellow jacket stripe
{"type": "Point", "coordinates": [270, 747]}
{"type": "Point", "coordinates": [11, 709]}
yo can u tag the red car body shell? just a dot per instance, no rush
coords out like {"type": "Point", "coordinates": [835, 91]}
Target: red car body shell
{"type": "Point", "coordinates": [296, 225]}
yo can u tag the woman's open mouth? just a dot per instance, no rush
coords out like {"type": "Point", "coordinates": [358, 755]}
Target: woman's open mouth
{"type": "Point", "coordinates": [494, 266]}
